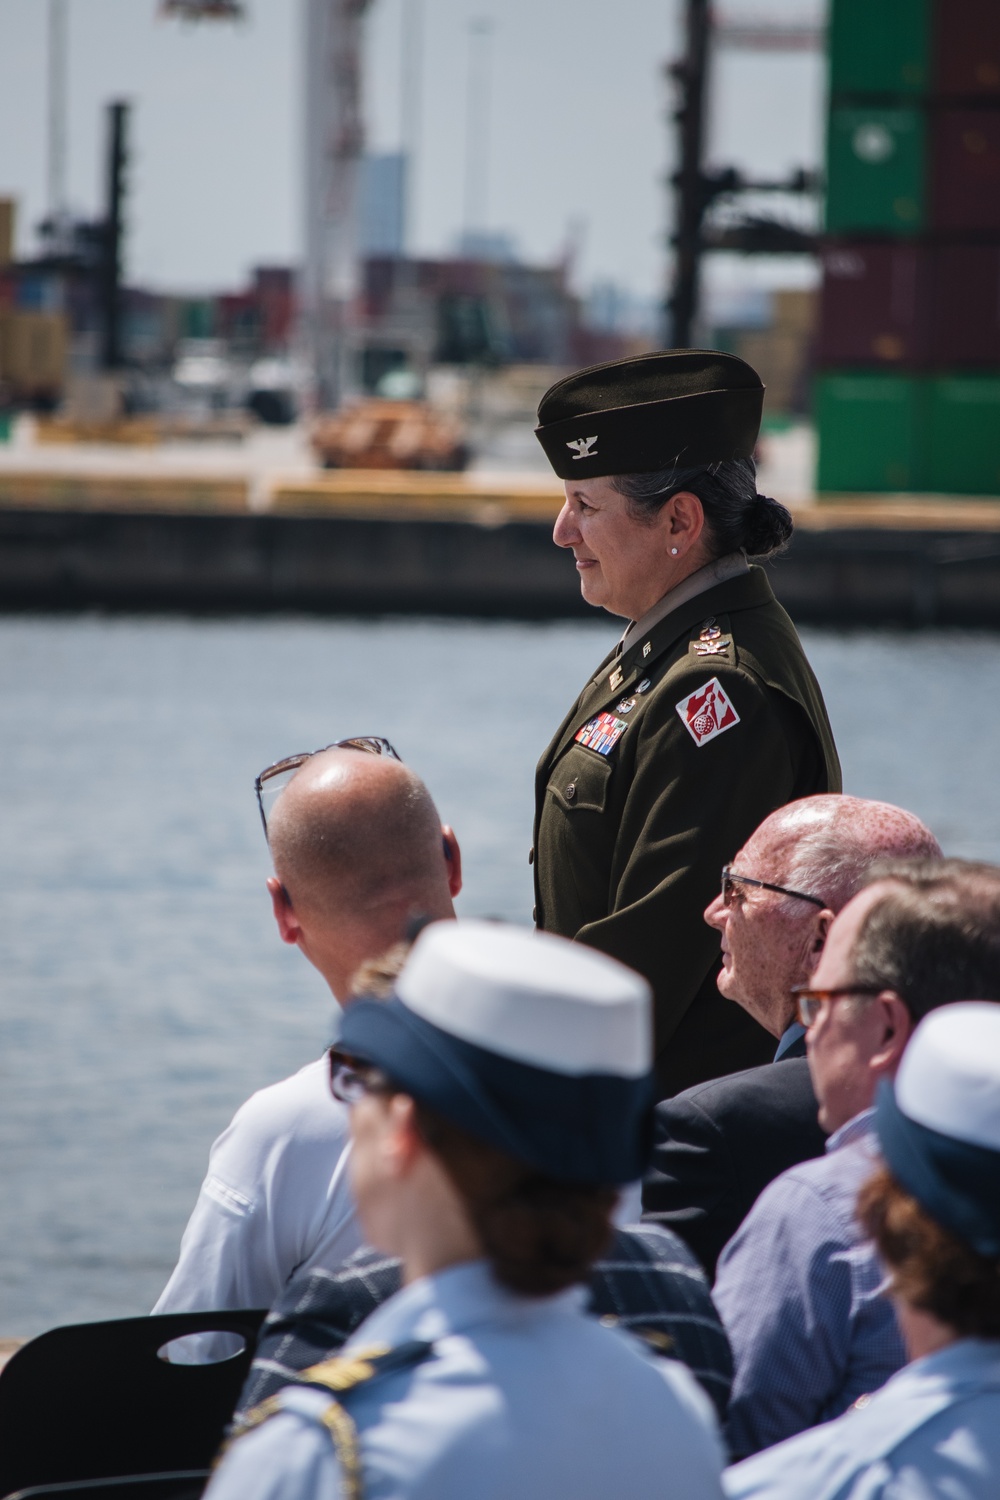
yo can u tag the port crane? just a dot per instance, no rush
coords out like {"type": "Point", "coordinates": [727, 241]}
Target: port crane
{"type": "Point", "coordinates": [334, 143]}
{"type": "Point", "coordinates": [697, 190]}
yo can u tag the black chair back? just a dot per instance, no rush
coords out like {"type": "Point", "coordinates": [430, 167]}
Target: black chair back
{"type": "Point", "coordinates": [95, 1400]}
{"type": "Point", "coordinates": [187, 1485]}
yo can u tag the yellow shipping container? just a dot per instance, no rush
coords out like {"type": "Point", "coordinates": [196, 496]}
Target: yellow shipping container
{"type": "Point", "coordinates": [34, 350]}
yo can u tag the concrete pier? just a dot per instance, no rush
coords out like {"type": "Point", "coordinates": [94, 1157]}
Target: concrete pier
{"type": "Point", "coordinates": [381, 542]}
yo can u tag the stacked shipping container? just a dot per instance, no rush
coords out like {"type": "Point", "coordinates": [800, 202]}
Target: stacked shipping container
{"type": "Point", "coordinates": [909, 345]}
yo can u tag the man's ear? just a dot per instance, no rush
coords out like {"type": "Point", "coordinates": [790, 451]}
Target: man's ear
{"type": "Point", "coordinates": [453, 859]}
{"type": "Point", "coordinates": [821, 931]}
{"type": "Point", "coordinates": [289, 926]}
{"type": "Point", "coordinates": [895, 1027]}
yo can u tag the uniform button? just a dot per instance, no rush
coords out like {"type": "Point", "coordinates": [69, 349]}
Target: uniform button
{"type": "Point", "coordinates": [531, 855]}
{"type": "Point", "coordinates": [570, 793]}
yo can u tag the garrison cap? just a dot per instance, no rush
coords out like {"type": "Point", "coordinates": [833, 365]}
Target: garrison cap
{"type": "Point", "coordinates": [534, 1044]}
{"type": "Point", "coordinates": [681, 407]}
{"type": "Point", "coordinates": [939, 1124]}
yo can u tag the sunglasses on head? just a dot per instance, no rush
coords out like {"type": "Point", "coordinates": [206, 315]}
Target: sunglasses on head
{"type": "Point", "coordinates": [272, 781]}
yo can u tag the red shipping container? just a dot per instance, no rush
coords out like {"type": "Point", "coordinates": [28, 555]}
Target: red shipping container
{"type": "Point", "coordinates": [965, 301]}
{"type": "Point", "coordinates": [965, 170]}
{"type": "Point", "coordinates": [875, 304]}
{"type": "Point", "coordinates": [967, 49]}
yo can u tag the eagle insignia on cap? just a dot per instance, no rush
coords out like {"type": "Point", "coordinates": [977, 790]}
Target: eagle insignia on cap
{"type": "Point", "coordinates": [584, 447]}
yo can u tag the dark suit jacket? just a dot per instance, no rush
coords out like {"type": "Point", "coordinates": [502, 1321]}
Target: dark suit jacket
{"type": "Point", "coordinates": [719, 1144]}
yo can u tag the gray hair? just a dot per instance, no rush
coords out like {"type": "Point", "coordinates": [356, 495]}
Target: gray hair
{"type": "Point", "coordinates": [934, 936]}
{"type": "Point", "coordinates": [832, 865]}
{"type": "Point", "coordinates": [736, 517]}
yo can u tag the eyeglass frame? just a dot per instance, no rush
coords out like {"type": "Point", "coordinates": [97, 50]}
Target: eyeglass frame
{"type": "Point", "coordinates": [370, 1077]}
{"type": "Point", "coordinates": [729, 876]}
{"type": "Point", "coordinates": [368, 744]}
{"type": "Point", "coordinates": [805, 996]}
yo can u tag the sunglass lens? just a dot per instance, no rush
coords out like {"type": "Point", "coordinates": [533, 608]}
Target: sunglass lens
{"type": "Point", "coordinates": [372, 743]}
{"type": "Point", "coordinates": [346, 1083]}
{"type": "Point", "coordinates": [271, 788]}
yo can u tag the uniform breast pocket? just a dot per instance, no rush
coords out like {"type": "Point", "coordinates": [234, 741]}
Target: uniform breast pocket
{"type": "Point", "coordinates": [580, 781]}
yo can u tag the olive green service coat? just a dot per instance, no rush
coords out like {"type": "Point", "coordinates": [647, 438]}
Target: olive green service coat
{"type": "Point", "coordinates": [711, 721]}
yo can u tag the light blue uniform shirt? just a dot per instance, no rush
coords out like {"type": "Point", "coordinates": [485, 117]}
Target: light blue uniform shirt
{"type": "Point", "coordinates": [521, 1399]}
{"type": "Point", "coordinates": [931, 1433]}
{"type": "Point", "coordinates": [799, 1291]}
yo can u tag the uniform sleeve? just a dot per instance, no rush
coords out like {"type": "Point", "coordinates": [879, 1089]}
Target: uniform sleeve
{"type": "Point", "coordinates": [785, 1295]}
{"type": "Point", "coordinates": [284, 1459]}
{"type": "Point", "coordinates": [275, 1189]}
{"type": "Point", "coordinates": [688, 1185]}
{"type": "Point", "coordinates": [688, 809]}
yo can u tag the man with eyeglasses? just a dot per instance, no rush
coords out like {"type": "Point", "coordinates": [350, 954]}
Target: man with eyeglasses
{"type": "Point", "coordinates": [799, 1289]}
{"type": "Point", "coordinates": [720, 1143]}
{"type": "Point", "coordinates": [359, 853]}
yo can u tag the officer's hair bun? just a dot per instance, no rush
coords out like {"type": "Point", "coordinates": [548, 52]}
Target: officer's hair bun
{"type": "Point", "coordinates": [767, 527]}
{"type": "Point", "coordinates": [539, 1236]}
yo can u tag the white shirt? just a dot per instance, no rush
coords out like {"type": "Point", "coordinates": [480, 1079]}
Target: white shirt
{"type": "Point", "coordinates": [520, 1397]}
{"type": "Point", "coordinates": [276, 1199]}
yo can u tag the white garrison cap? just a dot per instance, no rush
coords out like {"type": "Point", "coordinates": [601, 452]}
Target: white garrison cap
{"type": "Point", "coordinates": [949, 1078]}
{"type": "Point", "coordinates": [531, 997]}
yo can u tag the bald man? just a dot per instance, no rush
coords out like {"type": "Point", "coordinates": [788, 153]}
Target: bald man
{"type": "Point", "coordinates": [359, 852]}
{"type": "Point", "coordinates": [720, 1143]}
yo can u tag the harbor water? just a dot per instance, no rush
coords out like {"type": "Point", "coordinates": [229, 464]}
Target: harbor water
{"type": "Point", "coordinates": [145, 992]}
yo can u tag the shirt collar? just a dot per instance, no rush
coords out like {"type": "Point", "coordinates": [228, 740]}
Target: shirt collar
{"type": "Point", "coordinates": [720, 570]}
{"type": "Point", "coordinates": [452, 1301]}
{"type": "Point", "coordinates": [858, 1129]}
{"type": "Point", "coordinates": [789, 1037]}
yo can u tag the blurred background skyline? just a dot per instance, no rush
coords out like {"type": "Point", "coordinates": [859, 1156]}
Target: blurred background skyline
{"type": "Point", "coordinates": [567, 140]}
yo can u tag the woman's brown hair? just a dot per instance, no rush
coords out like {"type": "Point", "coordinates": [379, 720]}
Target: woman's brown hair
{"type": "Point", "coordinates": [539, 1235]}
{"type": "Point", "coordinates": [931, 1268]}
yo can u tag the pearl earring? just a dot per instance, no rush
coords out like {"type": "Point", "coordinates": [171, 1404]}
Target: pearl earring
{"type": "Point", "coordinates": [673, 552]}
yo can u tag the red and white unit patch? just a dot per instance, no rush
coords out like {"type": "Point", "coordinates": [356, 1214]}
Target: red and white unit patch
{"type": "Point", "coordinates": [707, 712]}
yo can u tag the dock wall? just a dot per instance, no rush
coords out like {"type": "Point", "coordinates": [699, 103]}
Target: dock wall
{"type": "Point", "coordinates": [477, 554]}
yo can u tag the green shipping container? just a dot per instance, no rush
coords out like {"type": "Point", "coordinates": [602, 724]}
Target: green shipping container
{"type": "Point", "coordinates": [869, 432]}
{"type": "Point", "coordinates": [963, 434]}
{"type": "Point", "coordinates": [880, 47]}
{"type": "Point", "coordinates": [875, 171]}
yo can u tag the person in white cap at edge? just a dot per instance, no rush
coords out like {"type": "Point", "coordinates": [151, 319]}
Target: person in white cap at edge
{"type": "Point", "coordinates": [498, 1100]}
{"type": "Point", "coordinates": [933, 1431]}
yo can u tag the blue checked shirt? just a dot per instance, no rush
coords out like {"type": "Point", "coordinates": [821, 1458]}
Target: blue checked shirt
{"type": "Point", "coordinates": [799, 1292]}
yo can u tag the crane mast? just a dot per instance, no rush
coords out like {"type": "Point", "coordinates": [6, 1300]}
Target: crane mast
{"type": "Point", "coordinates": [334, 141]}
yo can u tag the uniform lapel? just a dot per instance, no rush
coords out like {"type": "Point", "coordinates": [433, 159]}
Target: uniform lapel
{"type": "Point", "coordinates": [737, 593]}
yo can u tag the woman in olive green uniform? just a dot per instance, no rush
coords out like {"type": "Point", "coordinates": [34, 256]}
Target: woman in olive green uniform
{"type": "Point", "coordinates": [704, 718]}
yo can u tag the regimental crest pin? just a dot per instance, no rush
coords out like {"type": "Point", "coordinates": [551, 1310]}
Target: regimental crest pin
{"type": "Point", "coordinates": [711, 648]}
{"type": "Point", "coordinates": [707, 712]}
{"type": "Point", "coordinates": [584, 447]}
{"type": "Point", "coordinates": [711, 642]}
